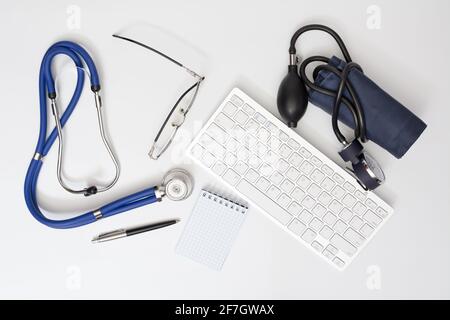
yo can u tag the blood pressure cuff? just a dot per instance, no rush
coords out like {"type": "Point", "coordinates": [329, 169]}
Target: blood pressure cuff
{"type": "Point", "coordinates": [388, 123]}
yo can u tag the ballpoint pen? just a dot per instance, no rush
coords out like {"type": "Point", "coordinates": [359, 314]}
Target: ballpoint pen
{"type": "Point", "coordinates": [126, 232]}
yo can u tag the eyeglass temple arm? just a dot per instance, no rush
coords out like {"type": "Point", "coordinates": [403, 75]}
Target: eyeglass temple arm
{"type": "Point", "coordinates": [191, 72]}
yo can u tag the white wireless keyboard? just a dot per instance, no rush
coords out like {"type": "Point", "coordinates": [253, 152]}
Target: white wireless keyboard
{"type": "Point", "coordinates": [276, 170]}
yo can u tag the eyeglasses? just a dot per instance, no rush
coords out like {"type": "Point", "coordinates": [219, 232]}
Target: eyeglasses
{"type": "Point", "coordinates": [177, 114]}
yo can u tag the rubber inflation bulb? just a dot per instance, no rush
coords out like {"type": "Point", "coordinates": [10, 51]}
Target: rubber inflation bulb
{"type": "Point", "coordinates": [292, 97]}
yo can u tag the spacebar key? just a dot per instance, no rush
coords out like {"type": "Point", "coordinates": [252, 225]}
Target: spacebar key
{"type": "Point", "coordinates": [263, 202]}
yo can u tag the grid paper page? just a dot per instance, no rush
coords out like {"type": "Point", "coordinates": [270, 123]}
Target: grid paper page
{"type": "Point", "coordinates": [211, 230]}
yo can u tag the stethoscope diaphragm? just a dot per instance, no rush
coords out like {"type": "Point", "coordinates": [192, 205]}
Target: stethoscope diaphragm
{"type": "Point", "coordinates": [177, 184]}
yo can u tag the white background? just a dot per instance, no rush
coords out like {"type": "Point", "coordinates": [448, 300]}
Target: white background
{"type": "Point", "coordinates": [234, 43]}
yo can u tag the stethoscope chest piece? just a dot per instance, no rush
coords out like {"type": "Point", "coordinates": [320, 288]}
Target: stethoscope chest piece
{"type": "Point", "coordinates": [177, 184]}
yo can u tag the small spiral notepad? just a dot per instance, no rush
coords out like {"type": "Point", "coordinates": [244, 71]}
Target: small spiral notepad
{"type": "Point", "coordinates": [211, 230]}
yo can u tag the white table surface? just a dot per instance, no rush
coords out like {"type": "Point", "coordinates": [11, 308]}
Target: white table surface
{"type": "Point", "coordinates": [402, 45]}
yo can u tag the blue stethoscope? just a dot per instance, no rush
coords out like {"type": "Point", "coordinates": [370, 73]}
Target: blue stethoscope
{"type": "Point", "coordinates": [176, 185]}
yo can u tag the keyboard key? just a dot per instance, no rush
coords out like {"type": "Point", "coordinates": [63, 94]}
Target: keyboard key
{"type": "Point", "coordinates": [306, 167]}
{"type": "Point", "coordinates": [327, 170]}
{"type": "Point", "coordinates": [229, 109]}
{"type": "Point", "coordinates": [360, 195]}
{"type": "Point", "coordinates": [230, 159]}
{"type": "Point", "coordinates": [232, 145]}
{"type": "Point", "coordinates": [305, 216]}
{"type": "Point", "coordinates": [328, 254]}
{"type": "Point", "coordinates": [371, 204]}
{"type": "Point", "coordinates": [287, 186]}
{"type": "Point", "coordinates": [335, 207]}
{"type": "Point", "coordinates": [285, 151]}
{"type": "Point", "coordinates": [216, 149]}
{"type": "Point", "coordinates": [283, 136]}
{"type": "Point", "coordinates": [326, 232]}
{"type": "Point", "coordinates": [266, 170]}
{"type": "Point", "coordinates": [219, 168]}
{"type": "Point", "coordinates": [346, 214]}
{"type": "Point", "coordinates": [317, 176]}
{"type": "Point", "coordinates": [263, 134]}
{"type": "Point", "coordinates": [252, 175]}
{"type": "Point", "coordinates": [241, 117]}
{"type": "Point", "coordinates": [295, 159]}
{"type": "Point", "coordinates": [208, 159]}
{"type": "Point", "coordinates": [294, 208]}
{"type": "Point", "coordinates": [349, 187]}
{"type": "Point", "coordinates": [293, 144]}
{"type": "Point", "coordinates": [356, 222]}
{"type": "Point", "coordinates": [305, 153]}
{"type": "Point", "coordinates": [308, 202]}
{"type": "Point", "coordinates": [205, 140]}
{"type": "Point", "coordinates": [338, 178]}
{"type": "Point", "coordinates": [317, 246]}
{"type": "Point", "coordinates": [248, 109]}
{"type": "Point", "coordinates": [283, 201]}
{"type": "Point", "coordinates": [303, 182]}
{"type": "Point", "coordinates": [236, 100]}
{"type": "Point", "coordinates": [254, 161]}
{"type": "Point", "coordinates": [359, 208]}
{"type": "Point", "coordinates": [366, 230]}
{"type": "Point", "coordinates": [251, 142]}
{"type": "Point", "coordinates": [217, 133]}
{"type": "Point", "coordinates": [332, 249]}
{"type": "Point", "coordinates": [339, 263]}
{"type": "Point", "coordinates": [260, 118]}
{"type": "Point", "coordinates": [328, 184]}
{"type": "Point", "coordinates": [381, 212]}
{"type": "Point", "coordinates": [372, 218]}
{"type": "Point", "coordinates": [263, 184]}
{"type": "Point", "coordinates": [274, 143]}
{"type": "Point", "coordinates": [264, 202]}
{"type": "Point", "coordinates": [325, 198]}
{"type": "Point", "coordinates": [272, 128]}
{"type": "Point", "coordinates": [354, 237]}
{"type": "Point", "coordinates": [292, 173]}
{"type": "Point", "coordinates": [231, 177]}
{"type": "Point", "coordinates": [271, 157]}
{"type": "Point", "coordinates": [338, 192]}
{"type": "Point", "coordinates": [273, 192]}
{"type": "Point", "coordinates": [241, 168]}
{"type": "Point", "coordinates": [309, 236]}
{"type": "Point", "coordinates": [343, 245]}
{"type": "Point", "coordinates": [298, 194]}
{"type": "Point", "coordinates": [261, 149]}
{"type": "Point", "coordinates": [282, 165]}
{"type": "Point", "coordinates": [251, 126]}
{"type": "Point", "coordinates": [243, 153]}
{"type": "Point", "coordinates": [297, 227]}
{"type": "Point", "coordinates": [197, 151]}
{"type": "Point", "coordinates": [340, 226]}
{"type": "Point", "coordinates": [238, 133]}
{"type": "Point", "coordinates": [316, 161]}
{"type": "Point", "coordinates": [224, 121]}
{"type": "Point", "coordinates": [330, 219]}
{"type": "Point", "coordinates": [316, 224]}
{"type": "Point", "coordinates": [314, 190]}
{"type": "Point", "coordinates": [276, 178]}
{"type": "Point", "coordinates": [349, 201]}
